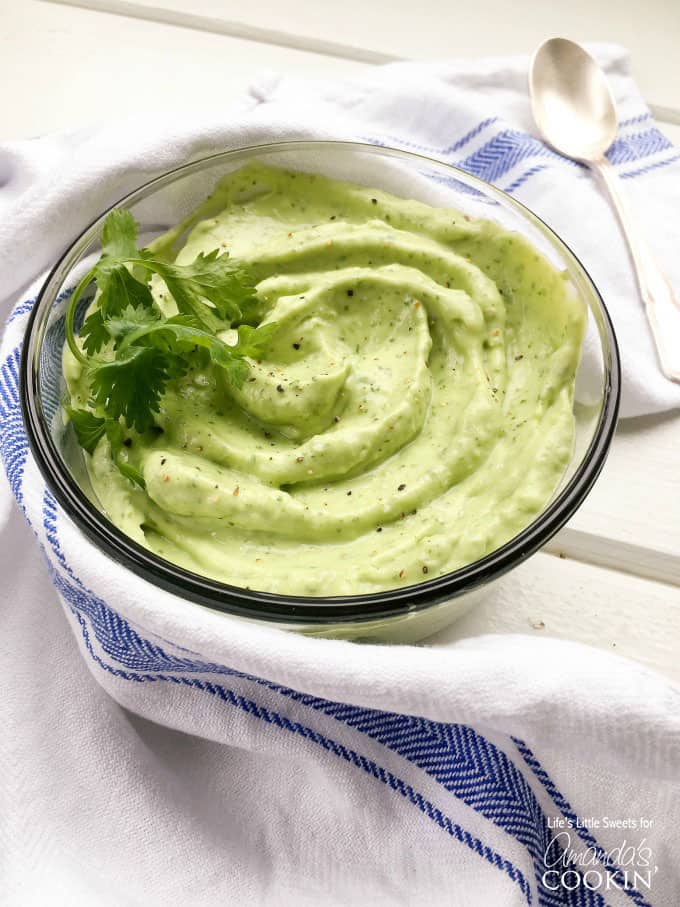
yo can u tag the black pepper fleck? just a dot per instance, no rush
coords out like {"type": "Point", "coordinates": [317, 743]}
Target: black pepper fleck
{"type": "Point", "coordinates": [296, 346]}
{"type": "Point", "coordinates": [279, 388]}
{"type": "Point", "coordinates": [401, 487]}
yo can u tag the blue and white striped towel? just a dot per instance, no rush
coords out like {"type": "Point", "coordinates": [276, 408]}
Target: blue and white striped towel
{"type": "Point", "coordinates": [314, 771]}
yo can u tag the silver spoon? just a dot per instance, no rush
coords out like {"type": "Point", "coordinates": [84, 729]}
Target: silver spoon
{"type": "Point", "coordinates": [575, 112]}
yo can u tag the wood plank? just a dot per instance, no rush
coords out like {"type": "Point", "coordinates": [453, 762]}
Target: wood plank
{"type": "Point", "coordinates": [550, 596]}
{"type": "Point", "coordinates": [631, 519]}
{"type": "Point", "coordinates": [672, 130]}
{"type": "Point", "coordinates": [438, 29]}
{"type": "Point", "coordinates": [68, 67]}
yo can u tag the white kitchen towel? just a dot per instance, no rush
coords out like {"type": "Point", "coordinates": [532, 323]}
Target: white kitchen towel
{"type": "Point", "coordinates": [500, 771]}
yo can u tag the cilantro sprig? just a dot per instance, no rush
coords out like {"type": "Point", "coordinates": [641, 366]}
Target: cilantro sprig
{"type": "Point", "coordinates": [130, 350]}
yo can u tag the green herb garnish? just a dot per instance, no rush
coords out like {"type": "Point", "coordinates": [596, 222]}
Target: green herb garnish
{"type": "Point", "coordinates": [130, 350]}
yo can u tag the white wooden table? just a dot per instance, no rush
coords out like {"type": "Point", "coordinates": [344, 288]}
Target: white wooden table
{"type": "Point", "coordinates": [611, 578]}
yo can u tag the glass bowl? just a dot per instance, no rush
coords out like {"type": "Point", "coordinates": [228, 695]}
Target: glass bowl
{"type": "Point", "coordinates": [403, 614]}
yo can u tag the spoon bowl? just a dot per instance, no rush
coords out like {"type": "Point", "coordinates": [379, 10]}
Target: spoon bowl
{"type": "Point", "coordinates": [571, 100]}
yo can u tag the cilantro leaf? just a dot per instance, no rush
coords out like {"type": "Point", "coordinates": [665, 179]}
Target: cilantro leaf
{"type": "Point", "coordinates": [132, 385]}
{"type": "Point", "coordinates": [211, 290]}
{"type": "Point", "coordinates": [187, 301]}
{"type": "Point", "coordinates": [93, 333]}
{"type": "Point", "coordinates": [118, 289]}
{"type": "Point", "coordinates": [119, 235]}
{"type": "Point", "coordinates": [144, 349]}
{"type": "Point", "coordinates": [178, 336]}
{"type": "Point", "coordinates": [130, 319]}
{"type": "Point", "coordinates": [223, 281]}
{"type": "Point", "coordinates": [116, 437]}
{"type": "Point", "coordinates": [236, 370]}
{"type": "Point", "coordinates": [252, 341]}
{"type": "Point", "coordinates": [89, 428]}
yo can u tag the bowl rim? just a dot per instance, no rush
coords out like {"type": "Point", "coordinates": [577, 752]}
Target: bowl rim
{"type": "Point", "coordinates": [298, 609]}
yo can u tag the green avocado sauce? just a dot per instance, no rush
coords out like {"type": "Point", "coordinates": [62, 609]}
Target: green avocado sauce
{"type": "Point", "coordinates": [414, 411]}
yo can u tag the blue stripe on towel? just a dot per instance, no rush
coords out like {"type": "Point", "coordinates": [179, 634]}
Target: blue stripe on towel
{"type": "Point", "coordinates": [461, 760]}
{"type": "Point", "coordinates": [26, 305]}
{"type": "Point", "coordinates": [633, 121]}
{"type": "Point", "coordinates": [430, 149]}
{"type": "Point", "coordinates": [637, 146]}
{"type": "Point", "coordinates": [13, 440]}
{"type": "Point", "coordinates": [511, 147]}
{"type": "Point", "coordinates": [21, 308]}
{"type": "Point", "coordinates": [631, 174]}
{"type": "Point", "coordinates": [584, 834]}
{"type": "Point", "coordinates": [505, 151]}
{"type": "Point", "coordinates": [349, 755]}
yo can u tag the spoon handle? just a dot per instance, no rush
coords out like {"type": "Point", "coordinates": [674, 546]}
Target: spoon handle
{"type": "Point", "coordinates": [660, 301]}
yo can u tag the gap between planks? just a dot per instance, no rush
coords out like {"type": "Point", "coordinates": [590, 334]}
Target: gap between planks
{"type": "Point", "coordinates": [626, 557]}
{"type": "Point", "coordinates": [243, 30]}
{"type": "Point", "coordinates": [232, 28]}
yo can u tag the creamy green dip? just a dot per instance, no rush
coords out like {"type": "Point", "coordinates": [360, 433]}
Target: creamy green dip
{"type": "Point", "coordinates": [414, 411]}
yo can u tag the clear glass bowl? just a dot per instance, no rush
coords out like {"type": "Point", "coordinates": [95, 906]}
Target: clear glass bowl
{"type": "Point", "coordinates": [399, 614]}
